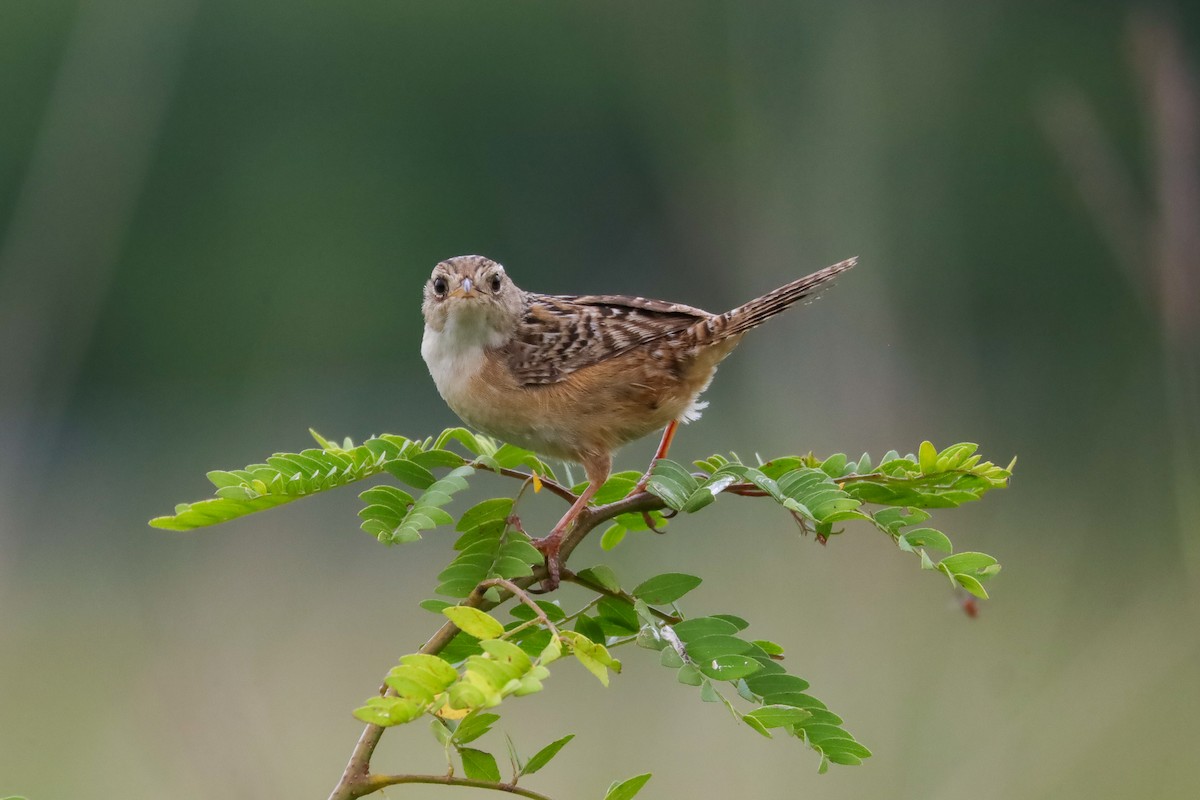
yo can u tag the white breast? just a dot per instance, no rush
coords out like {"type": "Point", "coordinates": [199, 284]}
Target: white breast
{"type": "Point", "coordinates": [455, 354]}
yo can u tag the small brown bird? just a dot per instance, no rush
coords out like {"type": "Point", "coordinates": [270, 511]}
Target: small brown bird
{"type": "Point", "coordinates": [576, 377]}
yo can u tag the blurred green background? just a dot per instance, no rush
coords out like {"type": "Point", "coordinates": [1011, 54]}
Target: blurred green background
{"type": "Point", "coordinates": [215, 221]}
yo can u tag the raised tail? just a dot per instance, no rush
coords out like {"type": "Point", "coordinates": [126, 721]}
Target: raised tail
{"type": "Point", "coordinates": [759, 310]}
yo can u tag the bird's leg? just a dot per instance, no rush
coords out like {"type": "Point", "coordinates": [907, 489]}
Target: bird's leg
{"type": "Point", "coordinates": [663, 446]}
{"type": "Point", "coordinates": [597, 468]}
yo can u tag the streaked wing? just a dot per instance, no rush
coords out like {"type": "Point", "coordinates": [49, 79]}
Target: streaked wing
{"type": "Point", "coordinates": [560, 334]}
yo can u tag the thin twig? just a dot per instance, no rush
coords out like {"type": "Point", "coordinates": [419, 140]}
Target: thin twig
{"type": "Point", "coordinates": [554, 486]}
{"type": "Point", "coordinates": [520, 594]}
{"type": "Point", "coordinates": [356, 780]}
{"type": "Point", "coordinates": [376, 782]}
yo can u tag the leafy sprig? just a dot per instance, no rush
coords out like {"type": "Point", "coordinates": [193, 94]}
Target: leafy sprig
{"type": "Point", "coordinates": [476, 663]}
{"type": "Point", "coordinates": [822, 493]}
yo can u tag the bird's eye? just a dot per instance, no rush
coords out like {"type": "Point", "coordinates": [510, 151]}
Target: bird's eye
{"type": "Point", "coordinates": [439, 287]}
{"type": "Point", "coordinates": [494, 282]}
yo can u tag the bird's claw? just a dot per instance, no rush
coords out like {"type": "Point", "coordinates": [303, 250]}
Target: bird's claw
{"type": "Point", "coordinates": [549, 547]}
{"type": "Point", "coordinates": [648, 518]}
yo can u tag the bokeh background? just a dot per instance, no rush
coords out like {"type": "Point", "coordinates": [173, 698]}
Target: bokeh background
{"type": "Point", "coordinates": [215, 221]}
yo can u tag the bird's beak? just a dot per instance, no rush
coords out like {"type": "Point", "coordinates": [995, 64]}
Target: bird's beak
{"type": "Point", "coordinates": [465, 289]}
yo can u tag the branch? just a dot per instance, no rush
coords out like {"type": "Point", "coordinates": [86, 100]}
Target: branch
{"type": "Point", "coordinates": [356, 780]}
{"type": "Point", "coordinates": [519, 593]}
{"type": "Point", "coordinates": [554, 486]}
{"type": "Point", "coordinates": [591, 517]}
{"type": "Point", "coordinates": [376, 782]}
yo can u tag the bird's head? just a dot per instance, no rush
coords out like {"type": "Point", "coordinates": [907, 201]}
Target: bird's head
{"type": "Point", "coordinates": [472, 295]}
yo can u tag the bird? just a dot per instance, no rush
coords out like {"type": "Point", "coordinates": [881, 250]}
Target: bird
{"type": "Point", "coordinates": [575, 377]}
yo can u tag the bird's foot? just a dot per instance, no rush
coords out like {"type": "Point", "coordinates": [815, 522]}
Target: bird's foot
{"type": "Point", "coordinates": [549, 547]}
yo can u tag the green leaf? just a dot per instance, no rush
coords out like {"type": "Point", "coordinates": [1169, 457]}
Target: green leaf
{"type": "Point", "coordinates": [442, 672]}
{"type": "Point", "coordinates": [321, 440]}
{"type": "Point", "coordinates": [493, 510]}
{"type": "Point", "coordinates": [844, 758]}
{"type": "Point", "coordinates": [588, 657]}
{"type": "Point", "coordinates": [737, 622]}
{"type": "Point", "coordinates": [779, 716]}
{"type": "Point", "coordinates": [769, 647]}
{"type": "Point", "coordinates": [470, 696]}
{"type": "Point", "coordinates": [440, 732]}
{"type": "Point", "coordinates": [835, 465]}
{"type": "Point", "coordinates": [601, 576]}
{"type": "Point", "coordinates": [542, 757]}
{"type": "Point", "coordinates": [435, 606]}
{"type": "Point", "coordinates": [768, 686]}
{"type": "Point", "coordinates": [644, 612]}
{"type": "Point", "coordinates": [628, 788]}
{"type": "Point", "coordinates": [707, 648]}
{"type": "Point", "coordinates": [821, 716]}
{"type": "Point", "coordinates": [729, 667]}
{"type": "Point", "coordinates": [552, 611]}
{"type": "Point", "coordinates": [510, 568]}
{"type": "Point", "coordinates": [474, 725]}
{"type": "Point", "coordinates": [797, 699]}
{"type": "Point", "coordinates": [619, 614]}
{"type": "Point", "coordinates": [843, 744]}
{"type": "Point", "coordinates": [672, 483]}
{"type": "Point", "coordinates": [387, 711]}
{"type": "Point", "coordinates": [457, 588]}
{"type": "Point", "coordinates": [507, 653]}
{"type": "Point", "coordinates": [970, 563]}
{"type": "Point", "coordinates": [698, 627]}
{"type": "Point", "coordinates": [478, 623]}
{"type": "Point", "coordinates": [689, 675]}
{"type": "Point", "coordinates": [551, 652]}
{"type": "Point", "coordinates": [435, 458]}
{"type": "Point", "coordinates": [819, 734]}
{"type": "Point", "coordinates": [648, 638]}
{"type": "Point", "coordinates": [460, 647]}
{"type": "Point", "coordinates": [479, 765]}
{"type": "Point", "coordinates": [971, 585]}
{"type": "Point", "coordinates": [893, 519]}
{"type": "Point", "coordinates": [927, 457]}
{"type": "Point", "coordinates": [522, 551]}
{"type": "Point", "coordinates": [666, 588]}
{"type": "Point", "coordinates": [467, 439]}
{"type": "Point", "coordinates": [925, 537]}
{"type": "Point", "coordinates": [612, 536]}
{"type": "Point", "coordinates": [618, 485]}
{"type": "Point", "coordinates": [590, 628]}
{"type": "Point", "coordinates": [388, 496]}
{"type": "Point", "coordinates": [411, 473]}
{"type": "Point", "coordinates": [756, 725]}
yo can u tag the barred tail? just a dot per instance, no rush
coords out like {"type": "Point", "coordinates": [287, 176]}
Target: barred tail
{"type": "Point", "coordinates": [758, 311]}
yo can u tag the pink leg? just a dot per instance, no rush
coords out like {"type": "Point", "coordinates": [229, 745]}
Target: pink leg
{"type": "Point", "coordinates": [663, 446]}
{"type": "Point", "coordinates": [597, 469]}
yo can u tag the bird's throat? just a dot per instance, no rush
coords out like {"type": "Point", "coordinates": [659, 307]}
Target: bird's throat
{"type": "Point", "coordinates": [456, 353]}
